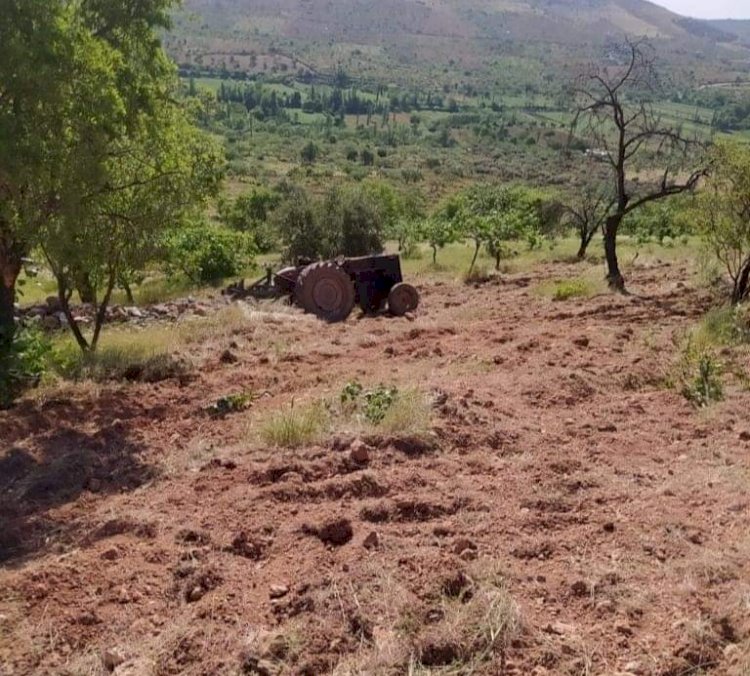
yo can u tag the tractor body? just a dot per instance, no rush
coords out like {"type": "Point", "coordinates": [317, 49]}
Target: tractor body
{"type": "Point", "coordinates": [331, 289]}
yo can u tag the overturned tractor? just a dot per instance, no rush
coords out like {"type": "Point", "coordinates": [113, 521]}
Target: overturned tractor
{"type": "Point", "coordinates": [331, 289]}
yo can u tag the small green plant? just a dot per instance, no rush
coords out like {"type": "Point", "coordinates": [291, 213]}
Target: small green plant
{"type": "Point", "coordinates": [378, 402]}
{"type": "Point", "coordinates": [23, 364]}
{"type": "Point", "coordinates": [570, 288]}
{"type": "Point", "coordinates": [705, 387]}
{"type": "Point", "coordinates": [372, 405]}
{"type": "Point", "coordinates": [231, 403]}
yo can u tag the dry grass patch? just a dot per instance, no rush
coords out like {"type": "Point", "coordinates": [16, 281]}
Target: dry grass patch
{"type": "Point", "coordinates": [295, 426]}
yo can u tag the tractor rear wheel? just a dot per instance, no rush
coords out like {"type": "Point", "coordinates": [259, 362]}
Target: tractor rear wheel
{"type": "Point", "coordinates": [403, 298]}
{"type": "Point", "coordinates": [325, 290]}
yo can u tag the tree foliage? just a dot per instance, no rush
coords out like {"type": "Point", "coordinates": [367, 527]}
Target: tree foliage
{"type": "Point", "coordinates": [95, 156]}
{"type": "Point", "coordinates": [724, 209]}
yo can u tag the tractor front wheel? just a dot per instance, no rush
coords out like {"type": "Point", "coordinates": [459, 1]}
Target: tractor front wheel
{"type": "Point", "coordinates": [325, 290]}
{"type": "Point", "coordinates": [403, 298]}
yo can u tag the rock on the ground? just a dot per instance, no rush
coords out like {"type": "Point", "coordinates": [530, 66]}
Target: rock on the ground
{"type": "Point", "coordinates": [372, 541]}
{"type": "Point", "coordinates": [359, 452]}
{"type": "Point", "coordinates": [112, 658]}
{"type": "Point", "coordinates": [278, 591]}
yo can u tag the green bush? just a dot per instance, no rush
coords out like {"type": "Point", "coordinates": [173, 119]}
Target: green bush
{"type": "Point", "coordinates": [207, 254]}
{"type": "Point", "coordinates": [23, 364]}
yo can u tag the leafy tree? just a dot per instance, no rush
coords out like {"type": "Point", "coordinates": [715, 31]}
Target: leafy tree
{"type": "Point", "coordinates": [724, 207]}
{"type": "Point", "coordinates": [75, 77]}
{"type": "Point", "coordinates": [438, 231]}
{"type": "Point", "coordinates": [310, 153]}
{"type": "Point", "coordinates": [251, 213]}
{"type": "Point", "coordinates": [490, 216]}
{"type": "Point", "coordinates": [614, 107]}
{"type": "Point", "coordinates": [355, 219]}
{"type": "Point", "coordinates": [297, 221]}
{"type": "Point", "coordinates": [207, 253]}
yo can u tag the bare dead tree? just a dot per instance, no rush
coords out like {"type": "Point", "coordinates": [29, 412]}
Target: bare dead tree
{"type": "Point", "coordinates": [613, 111]}
{"type": "Point", "coordinates": [587, 212]}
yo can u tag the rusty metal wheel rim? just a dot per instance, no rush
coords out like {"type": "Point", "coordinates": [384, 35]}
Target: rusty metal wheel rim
{"type": "Point", "coordinates": [328, 295]}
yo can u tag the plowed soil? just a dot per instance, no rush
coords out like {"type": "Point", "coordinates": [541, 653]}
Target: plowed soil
{"type": "Point", "coordinates": [138, 533]}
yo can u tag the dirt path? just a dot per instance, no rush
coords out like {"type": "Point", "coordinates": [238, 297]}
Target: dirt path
{"type": "Point", "coordinates": [612, 514]}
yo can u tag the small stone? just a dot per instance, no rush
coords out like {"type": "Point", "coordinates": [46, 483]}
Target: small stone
{"type": "Point", "coordinates": [468, 555]}
{"type": "Point", "coordinates": [51, 323]}
{"type": "Point", "coordinates": [335, 533]}
{"type": "Point", "coordinates": [605, 606]}
{"type": "Point", "coordinates": [745, 436]}
{"type": "Point", "coordinates": [228, 357]}
{"type": "Point", "coordinates": [359, 452]}
{"type": "Point", "coordinates": [633, 667]}
{"type": "Point", "coordinates": [111, 554]}
{"type": "Point", "coordinates": [609, 527]}
{"type": "Point", "coordinates": [462, 544]}
{"type": "Point", "coordinates": [195, 594]}
{"type": "Point", "coordinates": [410, 316]}
{"type": "Point", "coordinates": [579, 588]}
{"type": "Point", "coordinates": [372, 541]}
{"type": "Point", "coordinates": [560, 628]}
{"type": "Point", "coordinates": [278, 591]}
{"type": "Point", "coordinates": [112, 658]}
{"type": "Point", "coordinates": [622, 627]}
{"type": "Point", "coordinates": [140, 666]}
{"type": "Point", "coordinates": [581, 341]}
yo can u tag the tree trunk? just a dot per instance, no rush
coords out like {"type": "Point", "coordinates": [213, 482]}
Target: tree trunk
{"type": "Point", "coordinates": [9, 271]}
{"type": "Point", "coordinates": [7, 320]}
{"type": "Point", "coordinates": [86, 290]}
{"type": "Point", "coordinates": [739, 292]}
{"type": "Point", "coordinates": [128, 292]}
{"type": "Point", "coordinates": [72, 324]}
{"type": "Point", "coordinates": [477, 246]}
{"type": "Point", "coordinates": [434, 255]}
{"type": "Point", "coordinates": [498, 256]}
{"type": "Point", "coordinates": [614, 276]}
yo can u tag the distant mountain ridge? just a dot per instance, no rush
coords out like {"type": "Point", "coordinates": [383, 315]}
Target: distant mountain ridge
{"type": "Point", "coordinates": [426, 37]}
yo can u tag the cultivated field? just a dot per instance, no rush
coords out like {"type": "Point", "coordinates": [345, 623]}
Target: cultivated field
{"type": "Point", "coordinates": [531, 491]}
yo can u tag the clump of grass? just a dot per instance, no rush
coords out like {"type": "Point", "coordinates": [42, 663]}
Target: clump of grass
{"type": "Point", "coordinates": [725, 326]}
{"type": "Point", "coordinates": [295, 426]}
{"type": "Point", "coordinates": [477, 629]}
{"type": "Point", "coordinates": [565, 289]}
{"type": "Point", "coordinates": [146, 356]}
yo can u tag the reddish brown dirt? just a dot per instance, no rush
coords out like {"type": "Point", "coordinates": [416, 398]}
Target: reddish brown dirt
{"type": "Point", "coordinates": [616, 513]}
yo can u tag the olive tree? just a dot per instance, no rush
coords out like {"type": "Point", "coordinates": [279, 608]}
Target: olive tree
{"type": "Point", "coordinates": [724, 211]}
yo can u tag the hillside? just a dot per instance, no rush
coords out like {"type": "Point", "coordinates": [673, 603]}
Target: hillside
{"type": "Point", "coordinates": [418, 40]}
{"type": "Point", "coordinates": [740, 29]}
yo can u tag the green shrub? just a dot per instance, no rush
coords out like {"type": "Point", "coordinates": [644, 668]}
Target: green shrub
{"type": "Point", "coordinates": [705, 386]}
{"type": "Point", "coordinates": [23, 364]}
{"type": "Point", "coordinates": [207, 254]}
